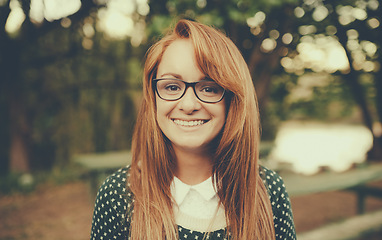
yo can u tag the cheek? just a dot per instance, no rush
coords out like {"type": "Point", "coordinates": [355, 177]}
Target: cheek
{"type": "Point", "coordinates": [159, 105]}
{"type": "Point", "coordinates": [219, 113]}
{"type": "Point", "coordinates": [163, 109]}
{"type": "Point", "coordinates": [222, 112]}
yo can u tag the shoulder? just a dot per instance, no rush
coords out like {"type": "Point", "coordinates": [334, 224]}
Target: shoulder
{"type": "Point", "coordinates": [273, 182]}
{"type": "Point", "coordinates": [281, 205]}
{"type": "Point", "coordinates": [276, 189]}
{"type": "Point", "coordinates": [118, 178]}
{"type": "Point", "coordinates": [113, 206]}
{"type": "Point", "coordinates": [115, 187]}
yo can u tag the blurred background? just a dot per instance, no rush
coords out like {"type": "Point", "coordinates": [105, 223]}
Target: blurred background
{"type": "Point", "coordinates": [70, 88]}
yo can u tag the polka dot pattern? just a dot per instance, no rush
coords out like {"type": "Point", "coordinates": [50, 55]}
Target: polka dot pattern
{"type": "Point", "coordinates": [114, 208]}
{"type": "Point", "coordinates": [281, 207]}
{"type": "Point", "coordinates": [112, 211]}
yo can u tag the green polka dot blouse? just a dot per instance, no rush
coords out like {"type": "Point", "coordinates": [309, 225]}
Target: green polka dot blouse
{"type": "Point", "coordinates": [114, 203]}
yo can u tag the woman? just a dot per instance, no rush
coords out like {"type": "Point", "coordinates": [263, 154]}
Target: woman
{"type": "Point", "coordinates": [194, 171]}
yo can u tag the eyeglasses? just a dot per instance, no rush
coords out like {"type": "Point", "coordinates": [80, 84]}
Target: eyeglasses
{"type": "Point", "coordinates": [174, 89]}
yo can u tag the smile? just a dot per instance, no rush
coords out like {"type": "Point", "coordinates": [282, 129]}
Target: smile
{"type": "Point", "coordinates": [189, 123]}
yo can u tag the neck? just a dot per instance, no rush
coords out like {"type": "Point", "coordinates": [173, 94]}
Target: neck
{"type": "Point", "coordinates": [192, 167]}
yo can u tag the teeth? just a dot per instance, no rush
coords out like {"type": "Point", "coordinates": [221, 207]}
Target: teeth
{"type": "Point", "coordinates": [189, 123]}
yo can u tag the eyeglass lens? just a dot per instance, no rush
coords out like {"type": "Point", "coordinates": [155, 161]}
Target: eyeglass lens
{"type": "Point", "coordinates": [173, 89]}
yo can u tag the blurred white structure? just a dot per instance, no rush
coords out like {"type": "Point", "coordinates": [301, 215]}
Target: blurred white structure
{"type": "Point", "coordinates": [309, 146]}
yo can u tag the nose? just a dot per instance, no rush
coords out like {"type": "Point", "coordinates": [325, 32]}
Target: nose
{"type": "Point", "coordinates": [189, 102]}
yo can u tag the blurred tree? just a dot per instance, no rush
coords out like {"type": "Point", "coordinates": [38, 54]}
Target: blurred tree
{"type": "Point", "coordinates": [13, 84]}
{"type": "Point", "coordinates": [64, 86]}
{"type": "Point", "coordinates": [355, 25]}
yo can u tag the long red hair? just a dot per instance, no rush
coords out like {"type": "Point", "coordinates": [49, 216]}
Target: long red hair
{"type": "Point", "coordinates": [236, 170]}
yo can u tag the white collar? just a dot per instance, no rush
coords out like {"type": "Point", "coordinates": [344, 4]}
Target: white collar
{"type": "Point", "coordinates": [179, 189]}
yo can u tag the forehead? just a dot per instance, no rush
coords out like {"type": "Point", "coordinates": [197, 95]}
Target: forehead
{"type": "Point", "coordinates": [179, 59]}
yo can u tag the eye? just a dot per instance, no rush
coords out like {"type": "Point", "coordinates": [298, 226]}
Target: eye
{"type": "Point", "coordinates": [172, 87]}
{"type": "Point", "coordinates": [209, 88]}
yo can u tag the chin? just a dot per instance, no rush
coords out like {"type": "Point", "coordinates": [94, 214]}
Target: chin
{"type": "Point", "coordinates": [185, 145]}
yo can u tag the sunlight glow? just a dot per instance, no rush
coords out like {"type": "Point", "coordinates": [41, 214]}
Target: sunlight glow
{"type": "Point", "coordinates": [373, 23]}
{"type": "Point", "coordinates": [88, 30]}
{"type": "Point", "coordinates": [369, 47]}
{"type": "Point", "coordinates": [40, 10]}
{"type": "Point", "coordinates": [15, 18]}
{"type": "Point", "coordinates": [287, 38]}
{"type": "Point", "coordinates": [36, 12]}
{"type": "Point", "coordinates": [319, 53]}
{"type": "Point", "coordinates": [359, 14]}
{"type": "Point", "coordinates": [348, 14]}
{"type": "Point", "coordinates": [256, 20]}
{"type": "Point", "coordinates": [331, 30]}
{"type": "Point", "coordinates": [299, 12]}
{"type": "Point", "coordinates": [115, 23]}
{"type": "Point", "coordinates": [309, 146]}
{"type": "Point", "coordinates": [320, 13]}
{"type": "Point", "coordinates": [307, 29]}
{"type": "Point", "coordinates": [60, 8]}
{"type": "Point", "coordinates": [268, 45]}
{"type": "Point", "coordinates": [143, 7]}
{"type": "Point", "coordinates": [274, 34]}
{"type": "Point", "coordinates": [66, 22]}
{"type": "Point", "coordinates": [117, 19]}
{"type": "Point", "coordinates": [201, 3]}
{"type": "Point", "coordinates": [373, 4]}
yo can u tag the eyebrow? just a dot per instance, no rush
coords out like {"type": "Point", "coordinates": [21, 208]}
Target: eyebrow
{"type": "Point", "coordinates": [178, 76]}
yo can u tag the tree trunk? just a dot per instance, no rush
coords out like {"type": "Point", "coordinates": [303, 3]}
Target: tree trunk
{"type": "Point", "coordinates": [376, 152]}
{"type": "Point", "coordinates": [19, 160]}
{"type": "Point", "coordinates": [352, 80]}
{"type": "Point", "coordinates": [12, 90]}
{"type": "Point", "coordinates": [357, 90]}
{"type": "Point", "coordinates": [19, 150]}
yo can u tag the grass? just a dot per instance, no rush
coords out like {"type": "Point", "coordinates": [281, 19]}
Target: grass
{"type": "Point", "coordinates": [27, 182]}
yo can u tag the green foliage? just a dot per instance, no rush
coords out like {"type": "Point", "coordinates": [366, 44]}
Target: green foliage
{"type": "Point", "coordinates": [79, 93]}
{"type": "Point", "coordinates": [291, 98]}
{"type": "Point", "coordinates": [76, 95]}
{"type": "Point", "coordinates": [94, 111]}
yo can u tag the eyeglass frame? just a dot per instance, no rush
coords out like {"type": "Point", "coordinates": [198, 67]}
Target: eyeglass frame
{"type": "Point", "coordinates": [188, 84]}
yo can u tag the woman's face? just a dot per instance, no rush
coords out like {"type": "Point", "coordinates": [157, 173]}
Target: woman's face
{"type": "Point", "coordinates": [188, 123]}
